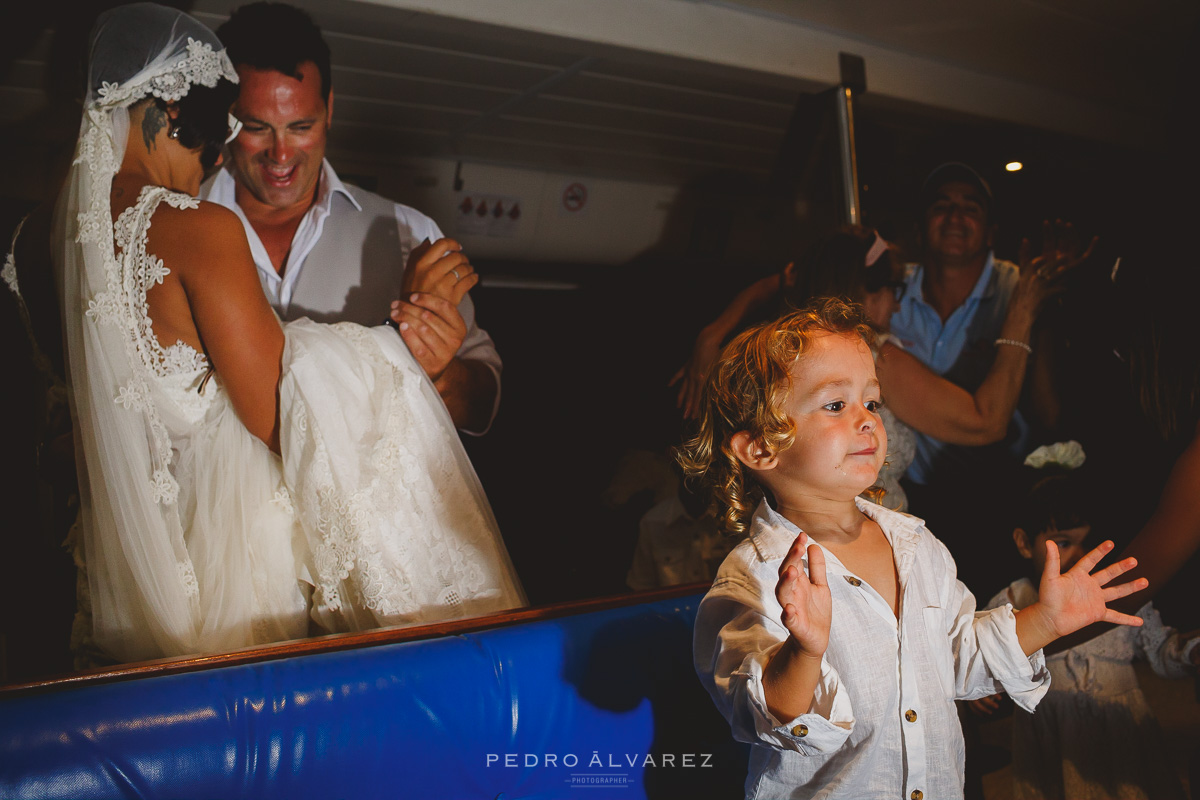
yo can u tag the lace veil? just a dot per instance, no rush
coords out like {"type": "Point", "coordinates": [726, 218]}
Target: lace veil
{"type": "Point", "coordinates": [143, 592]}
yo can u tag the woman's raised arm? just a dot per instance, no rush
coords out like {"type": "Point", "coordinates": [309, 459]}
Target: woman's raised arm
{"type": "Point", "coordinates": [1172, 534]}
{"type": "Point", "coordinates": [935, 406]}
{"type": "Point", "coordinates": [691, 375]}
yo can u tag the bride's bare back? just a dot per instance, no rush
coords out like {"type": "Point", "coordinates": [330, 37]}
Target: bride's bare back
{"type": "Point", "coordinates": [211, 300]}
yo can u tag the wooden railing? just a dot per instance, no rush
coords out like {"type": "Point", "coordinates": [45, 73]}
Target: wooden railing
{"type": "Point", "coordinates": [342, 641]}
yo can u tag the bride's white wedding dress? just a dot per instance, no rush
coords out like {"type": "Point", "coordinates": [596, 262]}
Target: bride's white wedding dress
{"type": "Point", "coordinates": [373, 516]}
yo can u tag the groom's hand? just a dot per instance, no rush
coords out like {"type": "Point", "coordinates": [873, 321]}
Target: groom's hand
{"type": "Point", "coordinates": [433, 330]}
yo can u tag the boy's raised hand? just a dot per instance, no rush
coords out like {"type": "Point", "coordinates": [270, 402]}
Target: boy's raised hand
{"type": "Point", "coordinates": [1068, 601]}
{"type": "Point", "coordinates": [807, 604]}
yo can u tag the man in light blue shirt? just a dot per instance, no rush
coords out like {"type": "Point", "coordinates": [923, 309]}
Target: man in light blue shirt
{"type": "Point", "coordinates": [956, 301]}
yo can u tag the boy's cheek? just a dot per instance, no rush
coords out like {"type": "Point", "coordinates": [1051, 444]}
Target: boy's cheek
{"type": "Point", "coordinates": [1071, 558]}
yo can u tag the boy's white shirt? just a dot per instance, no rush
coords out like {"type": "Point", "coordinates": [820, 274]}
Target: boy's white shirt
{"type": "Point", "coordinates": [856, 741]}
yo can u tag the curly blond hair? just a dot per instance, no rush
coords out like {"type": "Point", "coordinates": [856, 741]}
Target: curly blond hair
{"type": "Point", "coordinates": [746, 391]}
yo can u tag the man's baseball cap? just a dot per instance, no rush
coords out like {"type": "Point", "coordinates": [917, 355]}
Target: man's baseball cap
{"type": "Point", "coordinates": [953, 172]}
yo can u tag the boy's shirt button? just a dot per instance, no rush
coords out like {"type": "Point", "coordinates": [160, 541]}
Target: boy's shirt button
{"type": "Point", "coordinates": [853, 581]}
{"type": "Point", "coordinates": [910, 715]}
{"type": "Point", "coordinates": [917, 794]}
{"type": "Point", "coordinates": [800, 730]}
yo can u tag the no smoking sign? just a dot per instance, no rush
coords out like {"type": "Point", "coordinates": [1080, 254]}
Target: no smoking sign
{"type": "Point", "coordinates": [574, 197]}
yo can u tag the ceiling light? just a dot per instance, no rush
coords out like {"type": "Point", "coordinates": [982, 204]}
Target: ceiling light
{"type": "Point", "coordinates": [1013, 166]}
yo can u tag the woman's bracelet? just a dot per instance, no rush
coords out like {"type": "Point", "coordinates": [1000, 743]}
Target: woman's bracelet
{"type": "Point", "coordinates": [1015, 343]}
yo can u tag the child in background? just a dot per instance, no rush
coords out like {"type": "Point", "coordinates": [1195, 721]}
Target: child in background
{"type": "Point", "coordinates": [836, 636]}
{"type": "Point", "coordinates": [1094, 735]}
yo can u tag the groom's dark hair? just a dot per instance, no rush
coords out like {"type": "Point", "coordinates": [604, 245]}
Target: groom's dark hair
{"type": "Point", "coordinates": [276, 36]}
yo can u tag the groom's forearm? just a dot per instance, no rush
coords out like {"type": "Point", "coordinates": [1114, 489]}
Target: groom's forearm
{"type": "Point", "coordinates": [468, 388]}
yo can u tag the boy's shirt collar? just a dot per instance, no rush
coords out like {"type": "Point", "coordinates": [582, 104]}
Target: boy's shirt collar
{"type": "Point", "coordinates": [772, 535]}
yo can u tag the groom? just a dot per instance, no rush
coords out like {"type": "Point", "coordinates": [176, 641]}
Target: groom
{"type": "Point", "coordinates": [328, 250]}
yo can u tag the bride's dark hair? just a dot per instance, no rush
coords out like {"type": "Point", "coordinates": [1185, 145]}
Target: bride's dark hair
{"type": "Point", "coordinates": [203, 120]}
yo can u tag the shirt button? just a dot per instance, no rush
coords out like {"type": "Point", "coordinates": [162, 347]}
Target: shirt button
{"type": "Point", "coordinates": [917, 794]}
{"type": "Point", "coordinates": [910, 715]}
{"type": "Point", "coordinates": [853, 581]}
{"type": "Point", "coordinates": [800, 730]}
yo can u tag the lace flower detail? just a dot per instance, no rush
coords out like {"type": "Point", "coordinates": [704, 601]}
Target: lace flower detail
{"type": "Point", "coordinates": [202, 65]}
{"type": "Point", "coordinates": [9, 274]}
{"type": "Point", "coordinates": [410, 468]}
{"type": "Point", "coordinates": [155, 271]}
{"type": "Point", "coordinates": [103, 308]}
{"type": "Point", "coordinates": [283, 499]}
{"type": "Point", "coordinates": [166, 490]}
{"type": "Point", "coordinates": [385, 456]}
{"type": "Point", "coordinates": [180, 200]}
{"type": "Point", "coordinates": [132, 397]}
{"type": "Point", "coordinates": [182, 357]}
{"type": "Point", "coordinates": [96, 146]}
{"type": "Point", "coordinates": [187, 576]}
{"type": "Point", "coordinates": [92, 227]}
{"type": "Point", "coordinates": [170, 86]}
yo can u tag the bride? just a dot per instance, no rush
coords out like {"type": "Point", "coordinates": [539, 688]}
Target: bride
{"type": "Point", "coordinates": [240, 482]}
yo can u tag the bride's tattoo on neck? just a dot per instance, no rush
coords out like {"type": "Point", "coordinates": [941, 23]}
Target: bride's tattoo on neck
{"type": "Point", "coordinates": [154, 120]}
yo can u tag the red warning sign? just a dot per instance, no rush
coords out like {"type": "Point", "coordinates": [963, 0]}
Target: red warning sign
{"type": "Point", "coordinates": [574, 197]}
{"type": "Point", "coordinates": [488, 215]}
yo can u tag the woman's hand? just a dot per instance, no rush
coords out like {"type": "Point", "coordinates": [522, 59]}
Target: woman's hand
{"type": "Point", "coordinates": [692, 375]}
{"type": "Point", "coordinates": [439, 269]}
{"type": "Point", "coordinates": [1041, 275]}
{"type": "Point", "coordinates": [989, 707]}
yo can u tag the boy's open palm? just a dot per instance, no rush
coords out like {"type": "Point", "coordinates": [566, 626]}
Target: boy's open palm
{"type": "Point", "coordinates": [807, 604]}
{"type": "Point", "coordinates": [1077, 598]}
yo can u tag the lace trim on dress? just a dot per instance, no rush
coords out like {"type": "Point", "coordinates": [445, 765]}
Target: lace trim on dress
{"type": "Point", "coordinates": [141, 271]}
{"type": "Point", "coordinates": [187, 576]}
{"type": "Point", "coordinates": [9, 273]}
{"type": "Point", "coordinates": [421, 494]}
{"type": "Point", "coordinates": [122, 304]}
